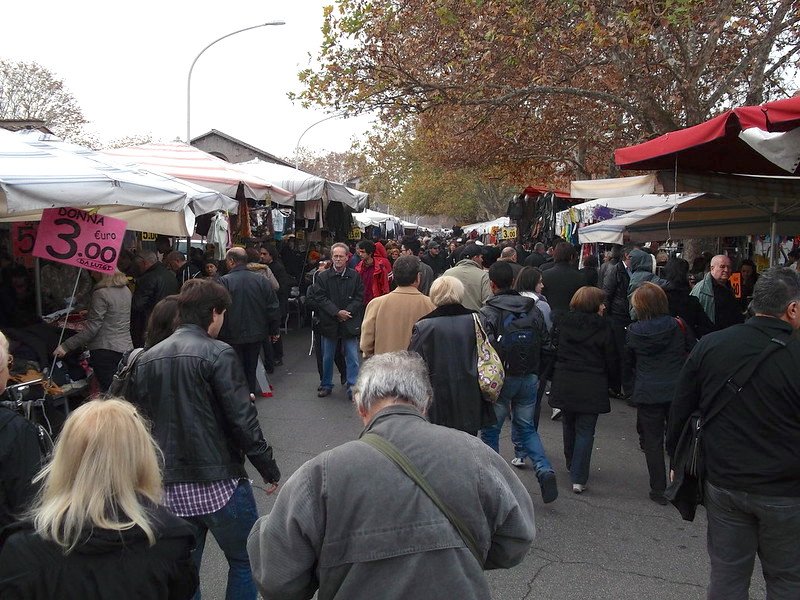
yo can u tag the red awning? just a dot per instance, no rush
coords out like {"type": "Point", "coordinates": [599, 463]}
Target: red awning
{"type": "Point", "coordinates": [533, 190]}
{"type": "Point", "coordinates": [716, 145]}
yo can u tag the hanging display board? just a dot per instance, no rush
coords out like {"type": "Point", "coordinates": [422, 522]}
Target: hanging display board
{"type": "Point", "coordinates": [79, 238]}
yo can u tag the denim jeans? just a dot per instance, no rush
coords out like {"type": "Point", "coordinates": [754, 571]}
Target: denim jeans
{"type": "Point", "coordinates": [230, 526]}
{"type": "Point", "coordinates": [578, 443]}
{"type": "Point", "coordinates": [741, 525]}
{"type": "Point", "coordinates": [518, 396]}
{"type": "Point", "coordinates": [352, 357]}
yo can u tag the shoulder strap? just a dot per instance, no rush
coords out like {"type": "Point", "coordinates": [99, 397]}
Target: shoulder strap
{"type": "Point", "coordinates": [681, 324]}
{"type": "Point", "coordinates": [401, 460]}
{"type": "Point", "coordinates": [732, 387]}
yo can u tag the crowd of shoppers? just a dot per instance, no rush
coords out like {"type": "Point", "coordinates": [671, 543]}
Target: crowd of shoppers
{"type": "Point", "coordinates": [405, 324]}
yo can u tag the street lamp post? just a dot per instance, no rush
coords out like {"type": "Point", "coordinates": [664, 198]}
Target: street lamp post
{"type": "Point", "coordinates": [189, 79]}
{"type": "Point", "coordinates": [297, 147]}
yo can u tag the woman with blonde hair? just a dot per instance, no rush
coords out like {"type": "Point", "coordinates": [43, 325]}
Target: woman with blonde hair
{"type": "Point", "coordinates": [107, 334]}
{"type": "Point", "coordinates": [584, 356]}
{"type": "Point", "coordinates": [657, 344]}
{"type": "Point", "coordinates": [445, 338]}
{"type": "Point", "coordinates": [96, 529]}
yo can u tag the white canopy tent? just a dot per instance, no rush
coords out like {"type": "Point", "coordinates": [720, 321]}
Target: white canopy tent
{"type": "Point", "coordinates": [617, 187]}
{"type": "Point", "coordinates": [201, 168]}
{"type": "Point", "coordinates": [306, 186]}
{"type": "Point", "coordinates": [686, 216]}
{"type": "Point", "coordinates": [486, 226]}
{"type": "Point", "coordinates": [374, 218]}
{"type": "Point", "coordinates": [38, 171]}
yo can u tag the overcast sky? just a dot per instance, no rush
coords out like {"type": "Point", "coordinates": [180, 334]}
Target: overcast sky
{"type": "Point", "coordinates": [127, 65]}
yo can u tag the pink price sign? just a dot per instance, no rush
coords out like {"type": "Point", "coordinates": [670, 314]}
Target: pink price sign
{"type": "Point", "coordinates": [79, 238]}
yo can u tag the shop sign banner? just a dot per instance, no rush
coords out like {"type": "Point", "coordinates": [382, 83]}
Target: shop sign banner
{"type": "Point", "coordinates": [509, 233]}
{"type": "Point", "coordinates": [23, 238]}
{"type": "Point", "coordinates": [79, 238]}
{"type": "Point", "coordinates": [736, 284]}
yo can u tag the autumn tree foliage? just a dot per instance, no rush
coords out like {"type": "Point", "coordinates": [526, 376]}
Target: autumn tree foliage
{"type": "Point", "coordinates": [30, 91]}
{"type": "Point", "coordinates": [537, 90]}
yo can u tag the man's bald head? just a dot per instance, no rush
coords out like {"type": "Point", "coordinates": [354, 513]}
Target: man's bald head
{"type": "Point", "coordinates": [238, 256]}
{"type": "Point", "coordinates": [509, 254]}
{"type": "Point", "coordinates": [721, 268]}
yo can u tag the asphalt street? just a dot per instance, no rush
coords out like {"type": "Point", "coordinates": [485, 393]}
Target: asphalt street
{"type": "Point", "coordinates": [610, 543]}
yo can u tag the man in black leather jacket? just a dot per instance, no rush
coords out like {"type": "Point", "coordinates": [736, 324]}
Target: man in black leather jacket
{"type": "Point", "coordinates": [193, 389]}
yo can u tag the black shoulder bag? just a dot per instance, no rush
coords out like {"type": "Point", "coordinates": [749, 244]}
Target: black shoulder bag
{"type": "Point", "coordinates": [685, 491]}
{"type": "Point", "coordinates": [401, 460]}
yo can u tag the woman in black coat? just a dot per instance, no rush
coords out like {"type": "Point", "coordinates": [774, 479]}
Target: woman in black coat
{"type": "Point", "coordinates": [681, 303]}
{"type": "Point", "coordinates": [445, 338]}
{"type": "Point", "coordinates": [584, 355]}
{"type": "Point", "coordinates": [96, 529]}
{"type": "Point", "coordinates": [658, 344]}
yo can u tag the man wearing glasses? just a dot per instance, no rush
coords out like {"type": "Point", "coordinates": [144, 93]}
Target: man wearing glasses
{"type": "Point", "coordinates": [716, 296]}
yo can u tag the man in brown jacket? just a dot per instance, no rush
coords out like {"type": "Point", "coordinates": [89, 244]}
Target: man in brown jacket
{"type": "Point", "coordinates": [389, 319]}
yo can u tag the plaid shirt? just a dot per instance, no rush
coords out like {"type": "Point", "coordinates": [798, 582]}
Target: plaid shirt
{"type": "Point", "coordinates": [191, 499]}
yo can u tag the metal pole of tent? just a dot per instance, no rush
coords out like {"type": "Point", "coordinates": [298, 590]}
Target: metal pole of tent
{"type": "Point", "coordinates": [773, 234]}
{"type": "Point", "coordinates": [37, 282]}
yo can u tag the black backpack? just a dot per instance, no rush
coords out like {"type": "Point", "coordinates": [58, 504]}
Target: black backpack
{"type": "Point", "coordinates": [121, 380]}
{"type": "Point", "coordinates": [519, 343]}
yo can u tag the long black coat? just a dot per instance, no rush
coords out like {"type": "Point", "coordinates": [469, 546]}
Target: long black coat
{"type": "Point", "coordinates": [560, 284]}
{"type": "Point", "coordinates": [332, 292]}
{"type": "Point", "coordinates": [153, 285]}
{"type": "Point", "coordinates": [108, 564]}
{"type": "Point", "coordinates": [584, 356]}
{"type": "Point", "coordinates": [446, 341]}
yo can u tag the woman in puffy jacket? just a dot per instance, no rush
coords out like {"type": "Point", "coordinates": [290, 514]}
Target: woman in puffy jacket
{"type": "Point", "coordinates": [584, 357]}
{"type": "Point", "coordinates": [107, 333]}
{"type": "Point", "coordinates": [658, 344]}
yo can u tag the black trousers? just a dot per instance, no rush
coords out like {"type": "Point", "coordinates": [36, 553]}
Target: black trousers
{"type": "Point", "coordinates": [104, 364]}
{"type": "Point", "coordinates": [248, 356]}
{"type": "Point", "coordinates": [621, 377]}
{"type": "Point", "coordinates": [652, 420]}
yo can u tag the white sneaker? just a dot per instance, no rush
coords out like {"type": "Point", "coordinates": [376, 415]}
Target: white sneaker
{"type": "Point", "coordinates": [556, 414]}
{"type": "Point", "coordinates": [578, 488]}
{"type": "Point", "coordinates": [518, 462]}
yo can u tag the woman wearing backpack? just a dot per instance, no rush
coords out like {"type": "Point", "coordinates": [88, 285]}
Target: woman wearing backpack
{"type": "Point", "coordinates": [658, 344]}
{"type": "Point", "coordinates": [584, 357]}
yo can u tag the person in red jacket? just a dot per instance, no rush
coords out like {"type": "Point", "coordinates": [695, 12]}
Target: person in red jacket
{"type": "Point", "coordinates": [374, 268]}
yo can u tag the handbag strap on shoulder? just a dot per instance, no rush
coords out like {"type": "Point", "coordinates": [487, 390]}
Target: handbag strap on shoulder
{"type": "Point", "coordinates": [736, 382]}
{"type": "Point", "coordinates": [401, 460]}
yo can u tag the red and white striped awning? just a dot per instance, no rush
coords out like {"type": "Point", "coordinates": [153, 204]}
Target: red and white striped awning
{"type": "Point", "coordinates": [191, 164]}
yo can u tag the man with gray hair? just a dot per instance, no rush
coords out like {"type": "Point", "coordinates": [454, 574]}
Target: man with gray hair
{"type": "Point", "coordinates": [253, 315]}
{"type": "Point", "coordinates": [716, 295]}
{"type": "Point", "coordinates": [153, 283]}
{"type": "Point", "coordinates": [509, 255]}
{"type": "Point", "coordinates": [351, 524]}
{"type": "Point", "coordinates": [752, 463]}
{"type": "Point", "coordinates": [337, 299]}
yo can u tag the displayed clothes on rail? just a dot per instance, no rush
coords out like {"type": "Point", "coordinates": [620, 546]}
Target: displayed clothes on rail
{"type": "Point", "coordinates": [219, 234]}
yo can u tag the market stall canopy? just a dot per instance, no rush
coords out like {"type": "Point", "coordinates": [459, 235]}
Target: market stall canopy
{"type": "Point", "coordinates": [618, 187]}
{"type": "Point", "coordinates": [757, 140]}
{"type": "Point", "coordinates": [486, 226]}
{"type": "Point", "coordinates": [201, 168]}
{"type": "Point", "coordinates": [306, 186]}
{"type": "Point", "coordinates": [39, 171]}
{"type": "Point", "coordinates": [688, 216]}
{"type": "Point", "coordinates": [374, 218]}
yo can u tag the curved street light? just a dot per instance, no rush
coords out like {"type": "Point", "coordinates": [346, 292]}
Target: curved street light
{"type": "Point", "coordinates": [335, 115]}
{"type": "Point", "coordinates": [189, 79]}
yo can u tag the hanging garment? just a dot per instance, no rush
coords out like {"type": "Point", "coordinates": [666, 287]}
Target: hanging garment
{"type": "Point", "coordinates": [218, 235]}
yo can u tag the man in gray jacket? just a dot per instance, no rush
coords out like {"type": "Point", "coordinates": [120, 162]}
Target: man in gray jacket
{"type": "Point", "coordinates": [351, 524]}
{"type": "Point", "coordinates": [469, 271]}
